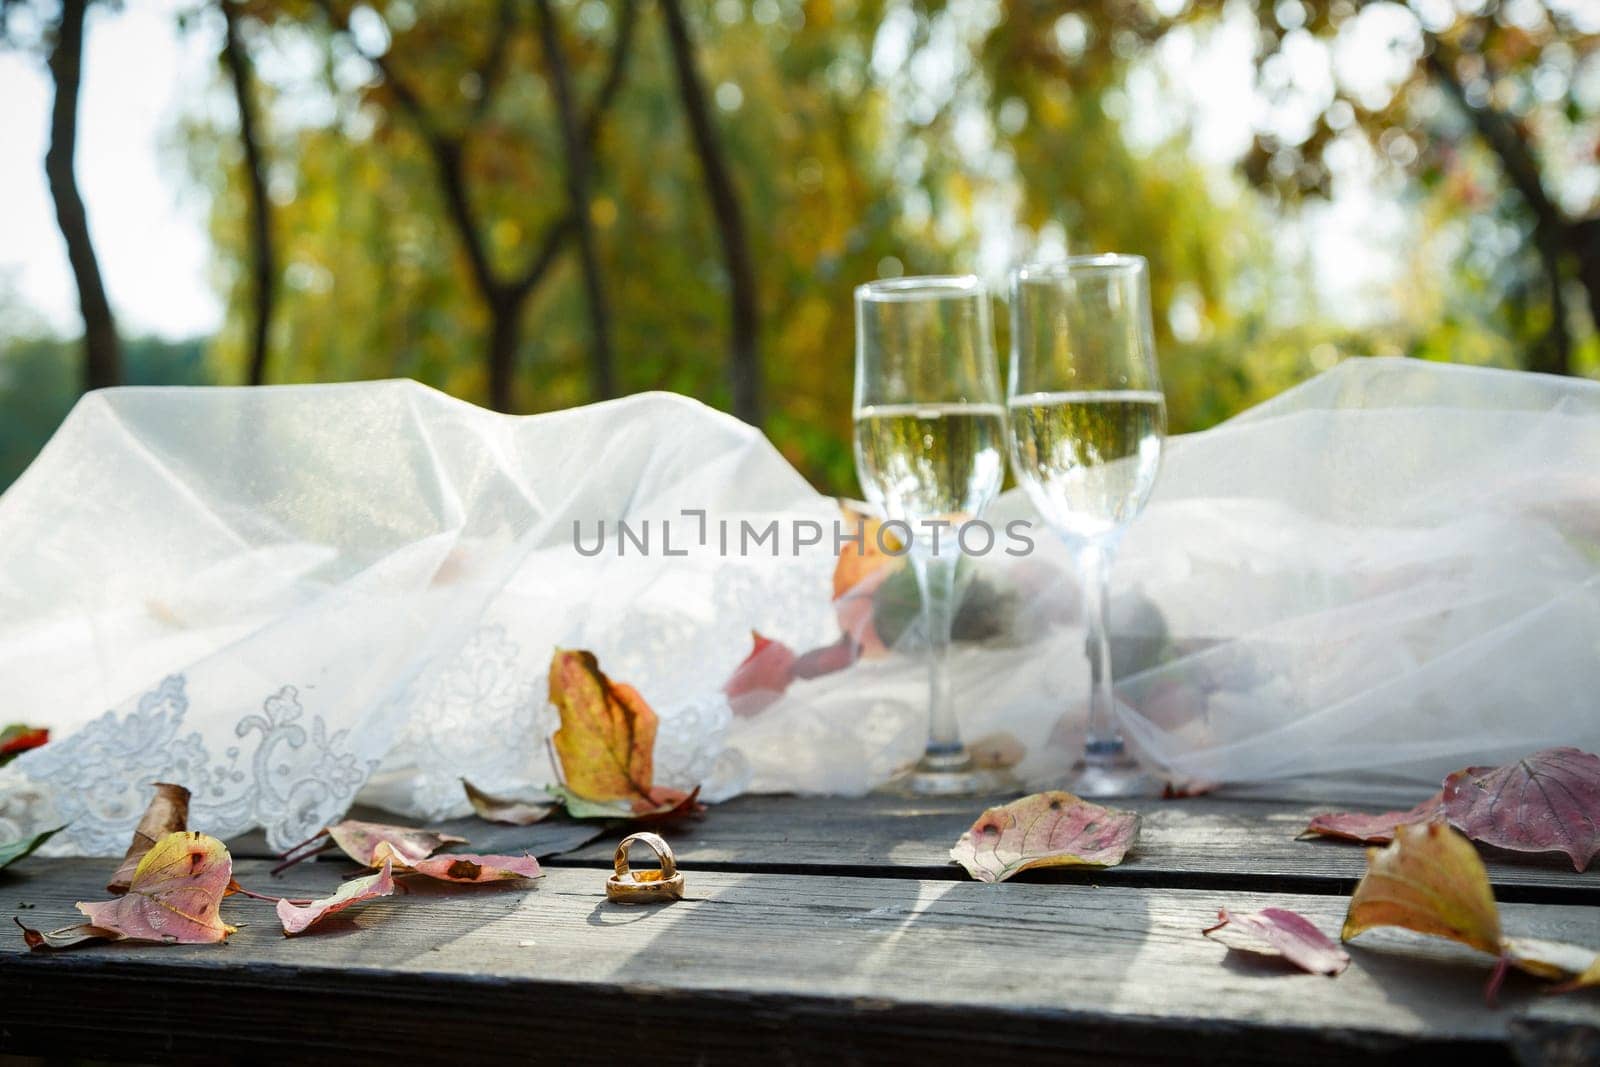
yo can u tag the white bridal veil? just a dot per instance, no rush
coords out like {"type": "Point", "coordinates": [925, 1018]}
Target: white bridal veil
{"type": "Point", "coordinates": [285, 597]}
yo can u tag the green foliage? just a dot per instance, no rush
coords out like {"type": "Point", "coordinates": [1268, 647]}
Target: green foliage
{"type": "Point", "coordinates": [39, 382]}
{"type": "Point", "coordinates": [865, 136]}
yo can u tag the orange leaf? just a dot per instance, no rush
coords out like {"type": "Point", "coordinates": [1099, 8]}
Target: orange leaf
{"type": "Point", "coordinates": [1429, 880]}
{"type": "Point", "coordinates": [1044, 830]}
{"type": "Point", "coordinates": [607, 738]}
{"type": "Point", "coordinates": [857, 574]}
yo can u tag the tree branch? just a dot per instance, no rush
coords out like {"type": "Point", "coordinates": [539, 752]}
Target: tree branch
{"type": "Point", "coordinates": [494, 63]}
{"type": "Point", "coordinates": [576, 171]}
{"type": "Point", "coordinates": [241, 76]}
{"type": "Point", "coordinates": [745, 358]}
{"type": "Point", "coordinates": [447, 152]}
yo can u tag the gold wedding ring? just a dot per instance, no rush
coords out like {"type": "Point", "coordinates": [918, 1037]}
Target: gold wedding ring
{"type": "Point", "coordinates": [645, 887]}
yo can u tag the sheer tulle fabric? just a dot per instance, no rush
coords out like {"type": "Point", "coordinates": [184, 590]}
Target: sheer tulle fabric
{"type": "Point", "coordinates": [286, 598]}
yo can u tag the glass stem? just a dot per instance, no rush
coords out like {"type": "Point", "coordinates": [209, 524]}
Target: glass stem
{"type": "Point", "coordinates": [1103, 743]}
{"type": "Point", "coordinates": [936, 580]}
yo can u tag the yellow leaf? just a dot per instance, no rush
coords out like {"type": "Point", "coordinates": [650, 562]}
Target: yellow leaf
{"type": "Point", "coordinates": [1430, 880]}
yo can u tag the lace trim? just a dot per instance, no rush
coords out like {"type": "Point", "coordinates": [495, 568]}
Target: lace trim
{"type": "Point", "coordinates": [293, 778]}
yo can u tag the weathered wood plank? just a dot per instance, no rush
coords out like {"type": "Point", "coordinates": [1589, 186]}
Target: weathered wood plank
{"type": "Point", "coordinates": [1215, 842]}
{"type": "Point", "coordinates": [784, 967]}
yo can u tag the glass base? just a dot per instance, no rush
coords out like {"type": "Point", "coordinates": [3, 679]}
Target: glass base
{"type": "Point", "coordinates": [951, 775]}
{"type": "Point", "coordinates": [1108, 771]}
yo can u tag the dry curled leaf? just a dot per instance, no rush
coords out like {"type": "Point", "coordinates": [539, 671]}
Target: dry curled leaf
{"type": "Point", "coordinates": [361, 841]}
{"type": "Point", "coordinates": [66, 937]}
{"type": "Point", "coordinates": [1430, 880]}
{"type": "Point", "coordinates": [174, 898]}
{"type": "Point", "coordinates": [1375, 829]}
{"type": "Point", "coordinates": [167, 813]}
{"type": "Point", "coordinates": [1546, 802]}
{"type": "Point", "coordinates": [464, 867]}
{"type": "Point", "coordinates": [297, 919]}
{"type": "Point", "coordinates": [506, 810]}
{"type": "Point", "coordinates": [1044, 830]}
{"type": "Point", "coordinates": [1280, 932]}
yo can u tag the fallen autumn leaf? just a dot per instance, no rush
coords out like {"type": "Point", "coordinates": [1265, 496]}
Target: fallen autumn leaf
{"type": "Point", "coordinates": [1044, 830]}
{"type": "Point", "coordinates": [297, 919]}
{"type": "Point", "coordinates": [1280, 932]}
{"type": "Point", "coordinates": [167, 813]}
{"type": "Point", "coordinates": [505, 810]}
{"type": "Point", "coordinates": [1375, 829]}
{"type": "Point", "coordinates": [1546, 802]}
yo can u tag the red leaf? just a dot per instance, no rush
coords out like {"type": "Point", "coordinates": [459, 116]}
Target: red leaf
{"type": "Point", "coordinates": [297, 919]}
{"type": "Point", "coordinates": [1374, 829]}
{"type": "Point", "coordinates": [670, 805]}
{"type": "Point", "coordinates": [1280, 932]}
{"type": "Point", "coordinates": [762, 678]}
{"type": "Point", "coordinates": [1546, 802]}
{"type": "Point", "coordinates": [17, 739]}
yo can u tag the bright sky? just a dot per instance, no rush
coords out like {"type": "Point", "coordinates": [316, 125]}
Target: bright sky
{"type": "Point", "coordinates": [149, 223]}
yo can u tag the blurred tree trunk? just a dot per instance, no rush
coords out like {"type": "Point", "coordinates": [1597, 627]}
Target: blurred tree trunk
{"type": "Point", "coordinates": [1555, 236]}
{"type": "Point", "coordinates": [263, 256]}
{"type": "Point", "coordinates": [102, 362]}
{"type": "Point", "coordinates": [745, 356]}
{"type": "Point", "coordinates": [602, 373]}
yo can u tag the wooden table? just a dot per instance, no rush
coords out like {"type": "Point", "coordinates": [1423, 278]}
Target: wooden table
{"type": "Point", "coordinates": [815, 930]}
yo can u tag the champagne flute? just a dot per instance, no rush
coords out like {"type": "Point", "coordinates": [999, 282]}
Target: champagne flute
{"type": "Point", "coordinates": [1087, 420]}
{"type": "Point", "coordinates": [929, 445]}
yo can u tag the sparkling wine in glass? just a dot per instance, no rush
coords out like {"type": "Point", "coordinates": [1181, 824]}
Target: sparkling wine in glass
{"type": "Point", "coordinates": [930, 443]}
{"type": "Point", "coordinates": [1087, 421]}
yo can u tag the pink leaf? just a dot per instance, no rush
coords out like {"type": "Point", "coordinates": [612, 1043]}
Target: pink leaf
{"type": "Point", "coordinates": [465, 867]}
{"type": "Point", "coordinates": [297, 919]}
{"type": "Point", "coordinates": [1044, 830]}
{"type": "Point", "coordinates": [1546, 802]}
{"type": "Point", "coordinates": [360, 841]}
{"type": "Point", "coordinates": [1280, 932]}
{"type": "Point", "coordinates": [174, 896]}
{"type": "Point", "coordinates": [1375, 829]}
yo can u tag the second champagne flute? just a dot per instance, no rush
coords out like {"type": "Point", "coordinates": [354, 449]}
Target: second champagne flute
{"type": "Point", "coordinates": [930, 447]}
{"type": "Point", "coordinates": [1087, 422]}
